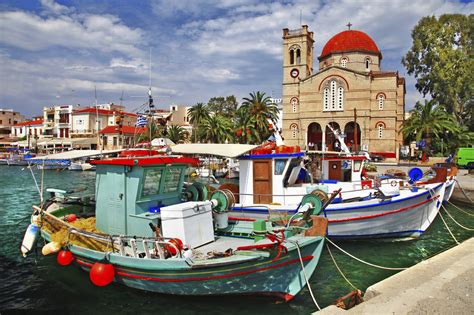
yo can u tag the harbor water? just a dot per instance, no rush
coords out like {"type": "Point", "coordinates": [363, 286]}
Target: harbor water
{"type": "Point", "coordinates": [38, 283]}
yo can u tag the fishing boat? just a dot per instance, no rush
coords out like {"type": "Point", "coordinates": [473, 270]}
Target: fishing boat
{"type": "Point", "coordinates": [153, 232]}
{"type": "Point", "coordinates": [274, 180]}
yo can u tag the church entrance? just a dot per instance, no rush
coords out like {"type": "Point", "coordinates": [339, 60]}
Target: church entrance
{"type": "Point", "coordinates": [331, 143]}
{"type": "Point", "coordinates": [315, 137]}
{"type": "Point", "coordinates": [351, 133]}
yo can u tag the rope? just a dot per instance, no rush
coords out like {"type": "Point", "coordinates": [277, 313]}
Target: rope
{"type": "Point", "coordinates": [365, 262]}
{"type": "Point", "coordinates": [466, 228]}
{"type": "Point", "coordinates": [340, 271]}
{"type": "Point", "coordinates": [464, 193]}
{"type": "Point", "coordinates": [447, 227]}
{"type": "Point", "coordinates": [305, 276]}
{"type": "Point", "coordinates": [34, 178]}
{"type": "Point", "coordinates": [452, 204]}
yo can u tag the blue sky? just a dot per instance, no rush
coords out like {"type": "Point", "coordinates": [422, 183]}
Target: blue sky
{"type": "Point", "coordinates": [57, 52]}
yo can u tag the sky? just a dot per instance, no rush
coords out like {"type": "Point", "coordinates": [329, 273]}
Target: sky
{"type": "Point", "coordinates": [73, 52]}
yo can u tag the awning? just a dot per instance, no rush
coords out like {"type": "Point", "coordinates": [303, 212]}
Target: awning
{"type": "Point", "coordinates": [74, 154]}
{"type": "Point", "coordinates": [225, 150]}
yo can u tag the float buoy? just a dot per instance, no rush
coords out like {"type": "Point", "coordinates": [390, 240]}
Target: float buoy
{"type": "Point", "coordinates": [50, 248]}
{"type": "Point", "coordinates": [65, 257]}
{"type": "Point", "coordinates": [71, 217]}
{"type": "Point", "coordinates": [29, 239]}
{"type": "Point", "coordinates": [102, 273]}
{"type": "Point", "coordinates": [178, 244]}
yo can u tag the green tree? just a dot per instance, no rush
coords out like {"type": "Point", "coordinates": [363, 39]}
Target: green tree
{"type": "Point", "coordinates": [261, 112]}
{"type": "Point", "coordinates": [441, 58]}
{"type": "Point", "coordinates": [177, 134]}
{"type": "Point", "coordinates": [429, 121]}
{"type": "Point", "coordinates": [217, 129]}
{"type": "Point", "coordinates": [226, 106]}
{"type": "Point", "coordinates": [197, 115]}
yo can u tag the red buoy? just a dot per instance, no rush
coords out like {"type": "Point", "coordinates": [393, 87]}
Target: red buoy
{"type": "Point", "coordinates": [71, 217]}
{"type": "Point", "coordinates": [64, 257]}
{"type": "Point", "coordinates": [102, 273]}
{"type": "Point", "coordinates": [177, 244]}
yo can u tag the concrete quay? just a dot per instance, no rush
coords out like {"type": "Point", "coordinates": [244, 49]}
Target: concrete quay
{"type": "Point", "coordinates": [443, 284]}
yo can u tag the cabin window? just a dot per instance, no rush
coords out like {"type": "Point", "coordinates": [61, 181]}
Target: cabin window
{"type": "Point", "coordinates": [172, 179]}
{"type": "Point", "coordinates": [357, 165]}
{"type": "Point", "coordinates": [151, 184]}
{"type": "Point", "coordinates": [279, 166]}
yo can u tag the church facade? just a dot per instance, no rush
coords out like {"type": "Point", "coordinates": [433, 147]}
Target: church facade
{"type": "Point", "coordinates": [348, 92]}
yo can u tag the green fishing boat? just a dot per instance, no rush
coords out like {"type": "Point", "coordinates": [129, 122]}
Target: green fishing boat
{"type": "Point", "coordinates": [150, 230]}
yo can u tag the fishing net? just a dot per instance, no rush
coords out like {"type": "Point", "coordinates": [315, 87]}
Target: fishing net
{"type": "Point", "coordinates": [60, 233]}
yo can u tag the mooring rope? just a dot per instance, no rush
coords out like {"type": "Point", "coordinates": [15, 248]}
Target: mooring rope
{"type": "Point", "coordinates": [305, 276]}
{"type": "Point", "coordinates": [363, 261]}
{"type": "Point", "coordinates": [447, 227]}
{"type": "Point", "coordinates": [466, 228]}
{"type": "Point", "coordinates": [462, 190]}
{"type": "Point", "coordinates": [452, 204]}
{"type": "Point", "coordinates": [339, 269]}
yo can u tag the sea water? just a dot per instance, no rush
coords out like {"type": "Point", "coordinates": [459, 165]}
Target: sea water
{"type": "Point", "coordinates": [38, 283]}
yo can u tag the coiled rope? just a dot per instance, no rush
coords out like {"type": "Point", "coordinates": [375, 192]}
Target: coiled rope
{"type": "Point", "coordinates": [466, 228]}
{"type": "Point", "coordinates": [305, 276]}
{"type": "Point", "coordinates": [452, 204]}
{"type": "Point", "coordinates": [339, 269]}
{"type": "Point", "coordinates": [363, 261]}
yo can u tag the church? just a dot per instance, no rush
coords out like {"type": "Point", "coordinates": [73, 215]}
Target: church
{"type": "Point", "coordinates": [348, 93]}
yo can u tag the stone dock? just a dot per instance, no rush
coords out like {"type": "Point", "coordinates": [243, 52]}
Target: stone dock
{"type": "Point", "coordinates": [443, 284]}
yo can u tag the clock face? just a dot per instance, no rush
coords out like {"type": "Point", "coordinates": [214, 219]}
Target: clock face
{"type": "Point", "coordinates": [294, 73]}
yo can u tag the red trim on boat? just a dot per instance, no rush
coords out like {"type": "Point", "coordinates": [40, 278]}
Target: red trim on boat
{"type": "Point", "coordinates": [383, 213]}
{"type": "Point", "coordinates": [344, 158]}
{"type": "Point", "coordinates": [288, 297]}
{"type": "Point", "coordinates": [141, 161]}
{"type": "Point", "coordinates": [235, 274]}
{"type": "Point", "coordinates": [242, 219]}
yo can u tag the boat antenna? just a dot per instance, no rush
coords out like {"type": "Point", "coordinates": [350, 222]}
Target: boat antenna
{"type": "Point", "coordinates": [151, 106]}
{"type": "Point", "coordinates": [97, 120]}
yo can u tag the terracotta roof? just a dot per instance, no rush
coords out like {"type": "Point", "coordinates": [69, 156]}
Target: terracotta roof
{"type": "Point", "coordinates": [101, 111]}
{"type": "Point", "coordinates": [125, 130]}
{"type": "Point", "coordinates": [29, 123]}
{"type": "Point", "coordinates": [349, 41]}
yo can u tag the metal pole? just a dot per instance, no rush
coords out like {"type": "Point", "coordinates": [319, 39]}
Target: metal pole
{"type": "Point", "coordinates": [355, 130]}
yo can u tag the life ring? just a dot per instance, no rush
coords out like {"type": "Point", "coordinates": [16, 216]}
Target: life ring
{"type": "Point", "coordinates": [394, 183]}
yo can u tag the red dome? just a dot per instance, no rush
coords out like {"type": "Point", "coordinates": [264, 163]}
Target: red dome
{"type": "Point", "coordinates": [350, 40]}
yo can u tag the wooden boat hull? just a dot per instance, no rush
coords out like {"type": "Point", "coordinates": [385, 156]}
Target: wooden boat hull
{"type": "Point", "coordinates": [278, 276]}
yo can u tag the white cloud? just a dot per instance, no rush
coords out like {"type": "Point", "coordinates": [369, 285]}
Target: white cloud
{"type": "Point", "coordinates": [52, 7]}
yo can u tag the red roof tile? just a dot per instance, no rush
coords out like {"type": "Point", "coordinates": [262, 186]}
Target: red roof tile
{"type": "Point", "coordinates": [29, 123]}
{"type": "Point", "coordinates": [125, 130]}
{"type": "Point", "coordinates": [350, 40]}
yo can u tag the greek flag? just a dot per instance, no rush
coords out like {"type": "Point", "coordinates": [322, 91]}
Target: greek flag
{"type": "Point", "coordinates": [141, 121]}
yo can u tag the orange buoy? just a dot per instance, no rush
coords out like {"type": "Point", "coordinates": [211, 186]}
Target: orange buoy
{"type": "Point", "coordinates": [102, 273]}
{"type": "Point", "coordinates": [64, 257]}
{"type": "Point", "coordinates": [71, 217]}
{"type": "Point", "coordinates": [178, 244]}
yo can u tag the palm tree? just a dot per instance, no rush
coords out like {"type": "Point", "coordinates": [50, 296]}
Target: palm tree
{"type": "Point", "coordinates": [153, 130]}
{"type": "Point", "coordinates": [217, 129]}
{"type": "Point", "coordinates": [427, 121]}
{"type": "Point", "coordinates": [261, 111]}
{"type": "Point", "coordinates": [197, 115]}
{"type": "Point", "coordinates": [177, 134]}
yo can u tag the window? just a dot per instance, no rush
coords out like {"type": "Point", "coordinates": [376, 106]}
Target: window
{"type": "Point", "coordinates": [295, 53]}
{"type": "Point", "coordinates": [172, 178]}
{"type": "Point", "coordinates": [344, 62]}
{"type": "Point", "coordinates": [333, 96]}
{"type": "Point", "coordinates": [367, 63]}
{"type": "Point", "coordinates": [380, 127]}
{"type": "Point", "coordinates": [298, 56]}
{"type": "Point", "coordinates": [294, 104]}
{"type": "Point", "coordinates": [151, 184]}
{"type": "Point", "coordinates": [292, 57]}
{"type": "Point", "coordinates": [381, 101]}
{"type": "Point", "coordinates": [279, 166]}
{"type": "Point", "coordinates": [294, 131]}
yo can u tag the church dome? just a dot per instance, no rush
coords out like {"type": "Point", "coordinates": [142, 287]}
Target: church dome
{"type": "Point", "coordinates": [350, 41]}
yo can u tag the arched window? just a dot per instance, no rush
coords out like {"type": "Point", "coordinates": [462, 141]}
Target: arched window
{"type": "Point", "coordinates": [367, 63]}
{"type": "Point", "coordinates": [333, 96]}
{"type": "Point", "coordinates": [295, 53]}
{"type": "Point", "coordinates": [294, 130]}
{"type": "Point", "coordinates": [344, 62]}
{"type": "Point", "coordinates": [380, 127]}
{"type": "Point", "coordinates": [292, 57]}
{"type": "Point", "coordinates": [298, 56]}
{"type": "Point", "coordinates": [294, 104]}
{"type": "Point", "coordinates": [381, 100]}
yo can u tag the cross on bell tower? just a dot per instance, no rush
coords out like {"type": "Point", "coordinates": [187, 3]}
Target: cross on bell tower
{"type": "Point", "coordinates": [349, 25]}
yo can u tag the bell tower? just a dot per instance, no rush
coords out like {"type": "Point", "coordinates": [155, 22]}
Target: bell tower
{"type": "Point", "coordinates": [297, 54]}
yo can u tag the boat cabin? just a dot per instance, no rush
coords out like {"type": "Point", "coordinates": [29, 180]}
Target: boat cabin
{"type": "Point", "coordinates": [131, 191]}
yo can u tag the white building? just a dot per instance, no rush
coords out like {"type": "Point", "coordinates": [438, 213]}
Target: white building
{"type": "Point", "coordinates": [57, 121]}
{"type": "Point", "coordinates": [29, 128]}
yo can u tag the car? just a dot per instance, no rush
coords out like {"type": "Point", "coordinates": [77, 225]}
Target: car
{"type": "Point", "coordinates": [376, 157]}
